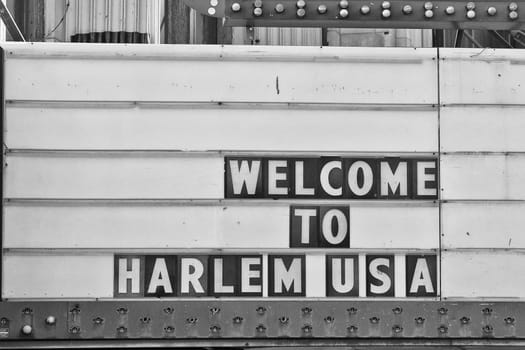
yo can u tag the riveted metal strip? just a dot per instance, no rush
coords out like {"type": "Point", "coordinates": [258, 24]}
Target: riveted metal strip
{"type": "Point", "coordinates": [260, 319]}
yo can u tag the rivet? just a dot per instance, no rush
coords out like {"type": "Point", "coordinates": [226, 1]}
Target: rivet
{"type": "Point", "coordinates": [443, 329]}
{"type": "Point", "coordinates": [343, 4]}
{"type": "Point", "coordinates": [442, 311]}
{"type": "Point", "coordinates": [98, 320]}
{"type": "Point", "coordinates": [397, 329]}
{"type": "Point", "coordinates": [374, 320]}
{"type": "Point", "coordinates": [236, 7]}
{"type": "Point", "coordinates": [352, 329]}
{"type": "Point", "coordinates": [261, 310]}
{"type": "Point", "coordinates": [470, 5]}
{"type": "Point", "coordinates": [306, 310]}
{"type": "Point", "coordinates": [257, 3]}
{"type": "Point", "coordinates": [122, 310]}
{"type": "Point", "coordinates": [4, 321]}
{"type": "Point", "coordinates": [307, 328]}
{"type": "Point", "coordinates": [419, 320]}
{"type": "Point", "coordinates": [509, 320]}
{"type": "Point", "coordinates": [491, 11]}
{"type": "Point", "coordinates": [27, 311]}
{"type": "Point", "coordinates": [279, 8]}
{"type": "Point", "coordinates": [27, 329]}
{"type": "Point", "coordinates": [397, 310]}
{"type": "Point", "coordinates": [215, 310]}
{"type": "Point", "coordinates": [464, 320]}
{"type": "Point", "coordinates": [51, 320]}
{"type": "Point", "coordinates": [329, 319]}
{"type": "Point", "coordinates": [488, 329]}
{"type": "Point", "coordinates": [513, 6]}
{"type": "Point", "coordinates": [260, 328]}
{"type": "Point", "coordinates": [74, 330]}
{"type": "Point", "coordinates": [168, 310]}
{"type": "Point", "coordinates": [145, 320]}
{"type": "Point", "coordinates": [352, 310]}
{"type": "Point", "coordinates": [322, 9]}
{"type": "Point", "coordinates": [192, 320]}
{"type": "Point", "coordinates": [122, 330]}
{"type": "Point", "coordinates": [215, 329]}
{"type": "Point", "coordinates": [237, 319]}
{"type": "Point", "coordinates": [283, 320]}
{"type": "Point", "coordinates": [365, 10]}
{"type": "Point", "coordinates": [487, 311]}
{"type": "Point", "coordinates": [169, 329]}
{"type": "Point", "coordinates": [407, 9]}
{"type": "Point", "coordinates": [385, 4]}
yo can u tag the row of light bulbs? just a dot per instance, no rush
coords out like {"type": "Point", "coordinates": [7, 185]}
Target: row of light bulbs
{"type": "Point", "coordinates": [386, 11]}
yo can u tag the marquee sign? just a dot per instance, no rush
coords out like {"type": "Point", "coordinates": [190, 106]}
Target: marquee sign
{"type": "Point", "coordinates": [262, 194]}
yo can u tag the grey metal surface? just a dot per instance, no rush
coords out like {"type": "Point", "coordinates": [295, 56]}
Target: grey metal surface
{"type": "Point", "coordinates": [264, 319]}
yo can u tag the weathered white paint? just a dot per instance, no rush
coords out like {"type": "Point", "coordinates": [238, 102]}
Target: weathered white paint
{"type": "Point", "coordinates": [481, 76]}
{"type": "Point", "coordinates": [64, 276]}
{"type": "Point", "coordinates": [483, 225]}
{"type": "Point", "coordinates": [482, 274]}
{"type": "Point", "coordinates": [316, 278]}
{"type": "Point", "coordinates": [211, 127]}
{"type": "Point", "coordinates": [482, 129]}
{"type": "Point", "coordinates": [242, 74]}
{"type": "Point", "coordinates": [264, 226]}
{"type": "Point", "coordinates": [114, 176]}
{"type": "Point", "coordinates": [483, 176]}
{"type": "Point", "coordinates": [379, 226]}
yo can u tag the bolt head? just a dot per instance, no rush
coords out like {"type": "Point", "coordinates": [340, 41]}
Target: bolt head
{"type": "Point", "coordinates": [236, 7]}
{"type": "Point", "coordinates": [27, 329]}
{"type": "Point", "coordinates": [51, 320]}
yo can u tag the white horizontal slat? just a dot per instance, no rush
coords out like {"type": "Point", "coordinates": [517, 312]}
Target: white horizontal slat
{"type": "Point", "coordinates": [221, 73]}
{"type": "Point", "coordinates": [482, 176]}
{"type": "Point", "coordinates": [394, 227]}
{"type": "Point", "coordinates": [146, 227]}
{"type": "Point", "coordinates": [482, 76]}
{"type": "Point", "coordinates": [202, 227]}
{"type": "Point", "coordinates": [208, 127]}
{"type": "Point", "coordinates": [44, 276]}
{"type": "Point", "coordinates": [483, 225]}
{"type": "Point", "coordinates": [114, 176]}
{"type": "Point", "coordinates": [487, 129]}
{"type": "Point", "coordinates": [482, 274]}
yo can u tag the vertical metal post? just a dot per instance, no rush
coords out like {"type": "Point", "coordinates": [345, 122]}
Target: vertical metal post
{"type": "Point", "coordinates": [458, 38]}
{"type": "Point", "coordinates": [30, 16]}
{"type": "Point", "coordinates": [176, 22]}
